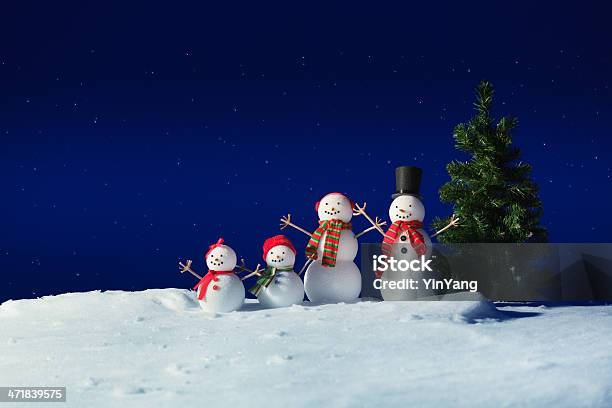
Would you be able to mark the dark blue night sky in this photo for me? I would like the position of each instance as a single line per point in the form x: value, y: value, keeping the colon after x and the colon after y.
x: 135, y: 135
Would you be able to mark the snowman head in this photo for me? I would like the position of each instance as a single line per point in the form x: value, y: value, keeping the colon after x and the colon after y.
x: 280, y: 256
x: 220, y: 257
x: 279, y: 252
x: 406, y: 208
x: 335, y: 206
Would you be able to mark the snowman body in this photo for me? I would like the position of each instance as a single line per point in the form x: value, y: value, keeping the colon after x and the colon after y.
x: 403, y: 249
x: 286, y: 287
x: 229, y: 296
x: 407, y: 208
x: 342, y: 282
x: 226, y: 293
x: 285, y: 290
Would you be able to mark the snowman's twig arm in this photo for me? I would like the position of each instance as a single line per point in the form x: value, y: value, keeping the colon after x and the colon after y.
x: 249, y: 275
x: 373, y: 227
x: 305, y: 266
x: 245, y: 269
x: 454, y: 221
x: 301, y: 229
x: 187, y: 268
x: 439, y: 232
x: 286, y: 221
x: 361, y: 210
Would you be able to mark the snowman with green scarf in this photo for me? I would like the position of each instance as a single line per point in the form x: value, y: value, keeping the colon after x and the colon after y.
x: 278, y: 285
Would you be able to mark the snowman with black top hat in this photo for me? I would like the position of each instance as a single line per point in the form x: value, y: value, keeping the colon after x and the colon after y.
x: 406, y: 238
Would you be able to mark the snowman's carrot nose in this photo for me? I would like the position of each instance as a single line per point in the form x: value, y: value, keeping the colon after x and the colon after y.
x: 333, y: 209
x: 402, y: 210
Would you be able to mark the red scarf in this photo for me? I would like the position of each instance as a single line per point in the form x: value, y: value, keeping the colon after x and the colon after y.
x: 416, y: 238
x: 330, y: 247
x: 205, y: 281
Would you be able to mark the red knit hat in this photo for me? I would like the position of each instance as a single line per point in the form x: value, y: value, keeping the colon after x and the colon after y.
x: 274, y: 241
x: 213, y: 246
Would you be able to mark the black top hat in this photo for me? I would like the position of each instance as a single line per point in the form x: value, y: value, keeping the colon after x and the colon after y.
x: 407, y: 181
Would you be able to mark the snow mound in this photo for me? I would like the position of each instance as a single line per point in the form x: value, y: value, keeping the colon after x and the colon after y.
x: 171, y: 299
x: 157, y: 348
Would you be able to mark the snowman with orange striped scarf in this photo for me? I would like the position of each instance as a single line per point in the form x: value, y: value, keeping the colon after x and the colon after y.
x: 332, y: 275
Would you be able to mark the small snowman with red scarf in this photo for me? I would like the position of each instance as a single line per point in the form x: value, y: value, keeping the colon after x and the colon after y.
x: 278, y: 285
x: 220, y: 290
x: 332, y: 275
x: 406, y: 239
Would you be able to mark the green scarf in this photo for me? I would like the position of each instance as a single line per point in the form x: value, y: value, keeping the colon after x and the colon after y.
x: 266, y: 278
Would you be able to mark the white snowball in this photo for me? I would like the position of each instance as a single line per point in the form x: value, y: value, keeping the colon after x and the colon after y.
x: 280, y: 256
x: 335, y: 206
x: 228, y: 298
x: 285, y: 290
x: 221, y: 258
x: 407, y: 294
x: 406, y: 208
x: 341, y: 283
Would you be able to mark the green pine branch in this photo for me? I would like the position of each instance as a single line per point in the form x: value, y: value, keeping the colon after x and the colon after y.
x: 492, y: 192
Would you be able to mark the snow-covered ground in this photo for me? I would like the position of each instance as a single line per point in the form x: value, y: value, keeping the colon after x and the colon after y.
x: 157, y: 348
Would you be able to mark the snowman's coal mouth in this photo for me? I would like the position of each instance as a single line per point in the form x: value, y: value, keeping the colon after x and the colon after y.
x: 404, y: 217
x: 217, y: 263
x: 331, y: 212
x: 278, y: 260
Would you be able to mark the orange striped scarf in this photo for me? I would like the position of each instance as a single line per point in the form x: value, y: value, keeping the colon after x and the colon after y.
x: 416, y: 238
x: 332, y: 239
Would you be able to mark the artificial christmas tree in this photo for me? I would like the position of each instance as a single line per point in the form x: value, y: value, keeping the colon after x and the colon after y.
x: 492, y: 193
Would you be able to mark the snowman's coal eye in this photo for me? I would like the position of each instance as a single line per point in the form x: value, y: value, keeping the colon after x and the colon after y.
x: 338, y: 203
x: 326, y: 203
x: 396, y: 206
x: 221, y: 255
x: 283, y: 252
x: 410, y: 205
